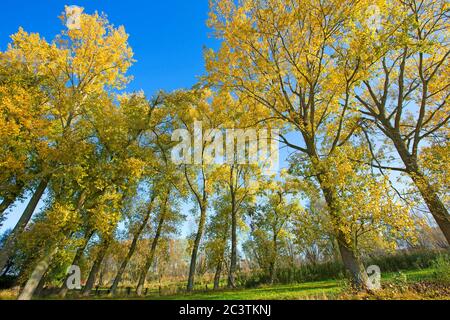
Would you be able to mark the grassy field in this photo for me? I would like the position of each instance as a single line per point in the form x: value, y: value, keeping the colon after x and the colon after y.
x: 295, y: 291
x: 329, y: 289
x: 318, y: 290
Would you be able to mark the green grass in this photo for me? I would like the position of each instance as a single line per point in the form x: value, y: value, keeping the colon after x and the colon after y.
x: 329, y: 289
x: 281, y: 292
x: 309, y: 290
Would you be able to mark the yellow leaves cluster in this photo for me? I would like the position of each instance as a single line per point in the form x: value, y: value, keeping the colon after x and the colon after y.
x: 435, y: 161
x: 367, y: 207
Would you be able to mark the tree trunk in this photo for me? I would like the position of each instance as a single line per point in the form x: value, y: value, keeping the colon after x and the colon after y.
x: 9, y: 246
x: 5, y: 204
x: 76, y: 261
x: 38, y: 272
x: 149, y: 262
x: 233, y: 262
x: 272, y: 271
x: 349, y: 258
x: 217, y: 275
x: 198, y: 238
x: 95, y: 268
x: 131, y: 250
x: 434, y: 204
x: 428, y: 193
x: 40, y: 288
x: 352, y: 264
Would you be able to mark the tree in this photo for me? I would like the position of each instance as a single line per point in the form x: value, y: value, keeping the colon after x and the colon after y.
x: 373, y: 216
x: 78, y: 66
x: 22, y: 107
x: 191, y: 108
x: 298, y: 63
x: 273, y: 217
x: 406, y: 97
x: 217, y: 236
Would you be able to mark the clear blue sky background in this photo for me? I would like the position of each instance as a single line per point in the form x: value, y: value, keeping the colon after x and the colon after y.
x: 167, y: 37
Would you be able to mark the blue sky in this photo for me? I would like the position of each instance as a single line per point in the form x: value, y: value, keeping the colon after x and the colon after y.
x: 167, y: 37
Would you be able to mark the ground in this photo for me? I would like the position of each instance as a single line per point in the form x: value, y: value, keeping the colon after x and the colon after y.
x: 417, y: 284
x: 330, y: 289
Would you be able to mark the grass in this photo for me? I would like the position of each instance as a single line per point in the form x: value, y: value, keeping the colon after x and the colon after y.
x: 317, y: 290
x: 329, y: 289
x: 279, y: 292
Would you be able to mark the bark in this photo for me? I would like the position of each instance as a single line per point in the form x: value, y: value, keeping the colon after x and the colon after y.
x: 96, y: 267
x: 217, y: 275
x: 273, y: 265
x: 349, y: 258
x: 9, y: 246
x: 151, y: 256
x: 40, y: 288
x: 352, y: 263
x: 428, y: 193
x: 434, y: 203
x: 131, y: 250
x: 43, y: 265
x: 5, y: 205
x: 76, y: 261
x: 38, y: 272
x: 198, y: 237
x: 233, y: 261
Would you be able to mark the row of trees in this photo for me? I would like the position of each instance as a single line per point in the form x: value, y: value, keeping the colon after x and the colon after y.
x: 355, y: 102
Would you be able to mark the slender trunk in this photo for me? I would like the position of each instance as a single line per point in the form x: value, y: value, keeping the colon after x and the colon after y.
x: 349, y: 258
x: 124, y: 264
x: 198, y: 238
x: 131, y: 250
x: 434, y: 204
x: 272, y: 271
x: 352, y: 263
x: 101, y: 277
x: 5, y: 205
x: 40, y: 288
x: 76, y: 261
x: 233, y: 262
x: 428, y: 193
x: 220, y: 263
x: 148, y: 264
x: 8, y: 248
x: 38, y: 272
x: 217, y: 275
x: 43, y: 265
x: 96, y: 267
x: 151, y: 256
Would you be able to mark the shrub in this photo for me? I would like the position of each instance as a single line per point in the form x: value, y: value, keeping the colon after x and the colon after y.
x: 7, y: 281
x: 400, y: 261
x: 407, y: 260
x: 441, y: 266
